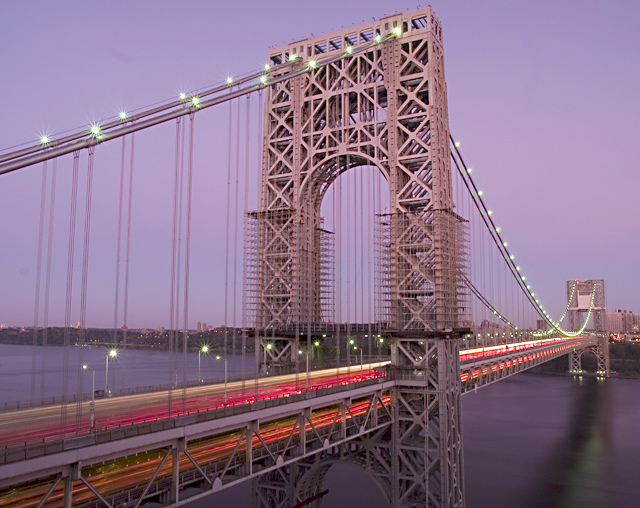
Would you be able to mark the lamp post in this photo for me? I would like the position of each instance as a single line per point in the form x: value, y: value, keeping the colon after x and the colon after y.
x: 225, y: 377
x: 111, y: 354
x: 300, y: 352
x: 204, y: 349
x: 92, y: 404
x: 264, y: 363
x: 355, y: 348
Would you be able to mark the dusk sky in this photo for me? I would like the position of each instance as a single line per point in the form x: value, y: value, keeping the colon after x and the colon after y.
x: 542, y: 95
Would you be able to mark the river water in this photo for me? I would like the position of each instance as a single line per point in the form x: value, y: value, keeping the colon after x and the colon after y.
x: 530, y: 441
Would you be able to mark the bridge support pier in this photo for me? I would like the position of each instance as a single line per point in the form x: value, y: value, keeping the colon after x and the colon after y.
x: 417, y: 460
x: 600, y: 351
x: 427, y: 431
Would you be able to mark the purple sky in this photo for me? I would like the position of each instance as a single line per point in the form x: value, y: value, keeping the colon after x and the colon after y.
x: 543, y: 96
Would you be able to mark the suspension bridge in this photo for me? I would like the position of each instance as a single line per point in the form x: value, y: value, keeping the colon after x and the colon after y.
x: 370, y: 287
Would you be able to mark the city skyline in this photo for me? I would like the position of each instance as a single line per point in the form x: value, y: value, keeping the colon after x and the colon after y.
x: 542, y: 99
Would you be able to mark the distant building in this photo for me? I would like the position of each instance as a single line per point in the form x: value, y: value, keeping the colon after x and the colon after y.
x: 541, y: 324
x: 622, y: 321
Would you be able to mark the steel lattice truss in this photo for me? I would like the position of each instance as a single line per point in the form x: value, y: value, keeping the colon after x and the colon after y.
x: 385, y: 105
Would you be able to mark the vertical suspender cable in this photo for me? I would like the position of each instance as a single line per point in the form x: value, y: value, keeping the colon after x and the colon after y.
x: 47, y: 286
x: 36, y: 311
x: 179, y: 250
x: 172, y: 298
x: 67, y: 316
x: 187, y: 259
x: 235, y: 235
x: 226, y: 250
x: 247, y: 144
x: 84, y: 284
x: 127, y: 258
x: 118, y: 245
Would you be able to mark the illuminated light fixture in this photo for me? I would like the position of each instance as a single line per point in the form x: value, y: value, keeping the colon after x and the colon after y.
x: 489, y: 212
x: 378, y: 38
x: 229, y: 80
x: 316, y: 343
x: 349, y: 50
x: 313, y: 64
x: 528, y: 286
x: 497, y: 230
x: 504, y: 244
x: 292, y: 57
x: 480, y: 193
x: 469, y: 170
x: 269, y: 346
x: 518, y: 268
x: 183, y: 96
x: 457, y: 144
x: 122, y: 115
x: 95, y: 130
x: 397, y: 31
x: 511, y: 257
x: 195, y: 101
x: 44, y: 139
x: 263, y: 79
x: 523, y: 277
x: 381, y: 341
x: 267, y: 67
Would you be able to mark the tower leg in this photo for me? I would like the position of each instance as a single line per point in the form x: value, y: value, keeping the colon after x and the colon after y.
x: 427, y: 435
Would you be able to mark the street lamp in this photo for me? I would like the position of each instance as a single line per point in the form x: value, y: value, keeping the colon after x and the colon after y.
x: 355, y: 348
x: 92, y: 405
x: 225, y: 377
x: 306, y: 353
x: 268, y: 346
x: 203, y: 350
x: 111, y: 354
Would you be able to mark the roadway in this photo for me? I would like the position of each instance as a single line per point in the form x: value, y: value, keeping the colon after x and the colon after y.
x: 33, y: 425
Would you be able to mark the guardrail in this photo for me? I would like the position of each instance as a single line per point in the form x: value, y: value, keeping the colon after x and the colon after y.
x: 18, y: 451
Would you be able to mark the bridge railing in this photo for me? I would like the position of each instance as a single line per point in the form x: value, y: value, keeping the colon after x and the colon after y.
x: 21, y: 450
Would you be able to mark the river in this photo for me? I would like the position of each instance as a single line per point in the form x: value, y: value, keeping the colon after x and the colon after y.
x: 530, y: 441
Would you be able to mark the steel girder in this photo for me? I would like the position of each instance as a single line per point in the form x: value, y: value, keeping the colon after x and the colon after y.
x: 208, y: 460
x: 416, y: 460
x: 427, y: 440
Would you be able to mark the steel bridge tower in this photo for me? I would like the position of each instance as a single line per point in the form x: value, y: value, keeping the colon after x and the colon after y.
x: 374, y: 95
x: 584, y: 297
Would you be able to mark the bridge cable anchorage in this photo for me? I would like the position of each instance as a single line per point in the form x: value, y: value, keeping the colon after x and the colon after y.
x: 117, y: 128
x: 501, y: 244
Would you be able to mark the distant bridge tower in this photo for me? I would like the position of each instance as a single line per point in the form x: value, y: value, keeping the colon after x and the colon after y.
x: 374, y: 95
x: 579, y: 297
